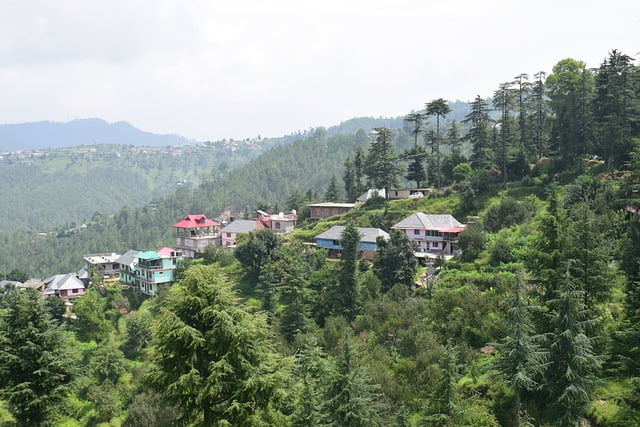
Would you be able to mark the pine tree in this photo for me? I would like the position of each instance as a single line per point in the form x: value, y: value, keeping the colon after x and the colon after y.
x: 211, y: 356
x: 381, y: 162
x: 293, y: 295
x: 570, y: 90
x: 359, y: 168
x: 546, y: 258
x: 479, y: 134
x: 395, y: 262
x: 453, y: 139
x: 538, y: 119
x: 522, y: 359
x: 332, y: 194
x: 349, y: 180
x: 312, y: 370
x: 444, y: 406
x: 35, y: 370
x: 439, y: 108
x: 573, y: 366
x: 347, y: 281
x: 616, y: 107
x: 415, y: 170
x: 588, y: 246
x: 413, y: 122
x: 351, y: 399
x: 503, y: 101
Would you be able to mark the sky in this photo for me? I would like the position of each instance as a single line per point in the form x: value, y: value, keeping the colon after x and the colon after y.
x: 210, y: 69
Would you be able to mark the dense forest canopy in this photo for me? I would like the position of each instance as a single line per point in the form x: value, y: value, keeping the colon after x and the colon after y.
x: 535, y: 323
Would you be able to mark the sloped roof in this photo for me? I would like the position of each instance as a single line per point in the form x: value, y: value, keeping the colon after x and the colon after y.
x: 61, y: 282
x: 83, y: 273
x: 128, y: 257
x: 166, y: 252
x: 32, y: 283
x: 4, y: 283
x: 369, y: 194
x: 195, y: 221
x: 366, y: 234
x: 440, y: 222
x: 240, y: 226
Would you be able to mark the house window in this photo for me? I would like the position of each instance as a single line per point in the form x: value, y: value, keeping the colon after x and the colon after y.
x: 435, y: 245
x: 416, y: 232
x: 228, y: 234
x: 277, y: 225
x: 336, y: 243
x: 74, y: 291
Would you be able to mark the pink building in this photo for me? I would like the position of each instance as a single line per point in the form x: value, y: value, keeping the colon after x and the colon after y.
x: 434, y: 234
x: 66, y: 286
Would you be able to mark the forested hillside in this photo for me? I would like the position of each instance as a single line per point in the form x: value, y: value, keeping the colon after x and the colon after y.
x: 51, y: 192
x: 534, y: 323
x: 60, y: 189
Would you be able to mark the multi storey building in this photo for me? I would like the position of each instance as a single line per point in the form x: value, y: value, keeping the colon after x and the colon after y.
x: 194, y: 233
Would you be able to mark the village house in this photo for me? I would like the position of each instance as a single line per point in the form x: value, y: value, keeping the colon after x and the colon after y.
x: 280, y: 223
x: 327, y: 209
x: 367, y: 246
x: 434, y: 234
x: 65, y: 286
x: 36, y: 284
x: 239, y: 226
x: 408, y: 193
x: 155, y: 269
x: 194, y: 233
x: 127, y: 269
x: 104, y: 265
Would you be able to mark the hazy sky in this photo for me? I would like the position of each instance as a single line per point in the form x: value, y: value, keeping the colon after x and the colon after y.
x: 217, y: 69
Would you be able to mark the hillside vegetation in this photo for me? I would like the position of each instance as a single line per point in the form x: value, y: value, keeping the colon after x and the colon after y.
x: 536, y: 323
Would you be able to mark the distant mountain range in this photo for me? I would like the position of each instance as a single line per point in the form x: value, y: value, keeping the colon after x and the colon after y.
x: 39, y: 135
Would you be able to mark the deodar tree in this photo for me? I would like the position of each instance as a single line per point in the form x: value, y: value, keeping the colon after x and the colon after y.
x: 381, y: 161
x: 211, y: 356
x: 439, y: 108
x: 35, y: 369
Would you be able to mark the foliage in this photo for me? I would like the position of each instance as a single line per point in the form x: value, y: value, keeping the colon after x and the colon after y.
x: 148, y: 409
x: 471, y: 241
x: 91, y: 323
x: 507, y: 212
x: 347, y: 282
x: 256, y: 250
x: 573, y: 370
x: 381, y: 168
x: 395, y: 262
x: 212, y: 357
x: 35, y: 369
x: 522, y: 359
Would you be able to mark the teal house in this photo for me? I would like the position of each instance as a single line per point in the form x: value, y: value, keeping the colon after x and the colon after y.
x: 155, y: 269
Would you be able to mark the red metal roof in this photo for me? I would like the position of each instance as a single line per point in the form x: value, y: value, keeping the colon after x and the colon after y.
x: 451, y: 230
x: 195, y: 221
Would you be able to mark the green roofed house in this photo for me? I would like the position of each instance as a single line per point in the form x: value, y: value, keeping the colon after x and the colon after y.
x: 155, y: 269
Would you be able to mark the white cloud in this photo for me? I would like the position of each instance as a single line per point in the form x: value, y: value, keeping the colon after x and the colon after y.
x: 213, y: 69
